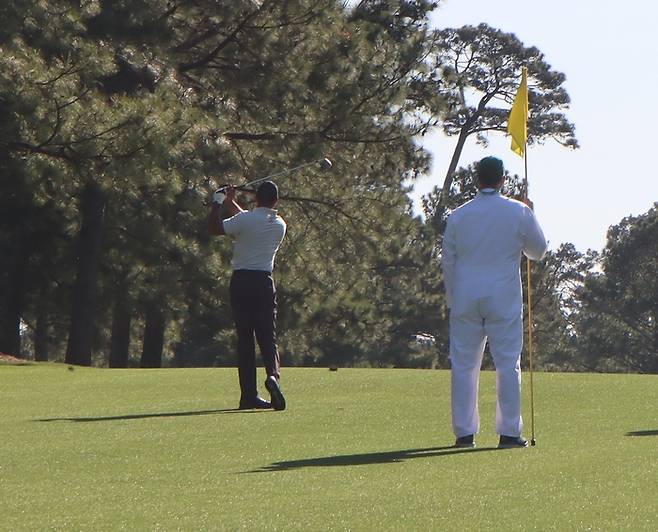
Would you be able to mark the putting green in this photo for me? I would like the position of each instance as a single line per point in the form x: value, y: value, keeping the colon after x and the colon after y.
x: 357, y: 449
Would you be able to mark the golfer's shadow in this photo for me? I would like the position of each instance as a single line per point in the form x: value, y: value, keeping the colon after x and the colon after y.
x: 154, y: 415
x: 385, y: 457
x: 643, y: 433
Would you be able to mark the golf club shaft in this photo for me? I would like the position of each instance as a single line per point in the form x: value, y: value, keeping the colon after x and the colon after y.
x: 283, y: 172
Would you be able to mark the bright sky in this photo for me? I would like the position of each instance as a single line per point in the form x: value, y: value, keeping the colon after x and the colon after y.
x: 607, y: 50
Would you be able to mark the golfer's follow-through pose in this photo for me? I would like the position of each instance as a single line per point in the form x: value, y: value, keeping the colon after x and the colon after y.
x: 258, y: 234
x: 481, y: 257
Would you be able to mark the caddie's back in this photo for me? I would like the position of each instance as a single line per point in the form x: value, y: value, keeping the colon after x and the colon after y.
x: 489, y: 235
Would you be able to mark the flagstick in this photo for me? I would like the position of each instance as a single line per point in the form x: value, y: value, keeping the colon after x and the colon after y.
x: 533, y: 442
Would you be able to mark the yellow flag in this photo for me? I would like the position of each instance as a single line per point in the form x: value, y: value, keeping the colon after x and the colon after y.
x: 517, y: 123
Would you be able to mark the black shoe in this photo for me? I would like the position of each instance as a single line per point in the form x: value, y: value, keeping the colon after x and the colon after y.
x: 278, y: 401
x: 252, y: 404
x: 512, y: 442
x: 465, y: 442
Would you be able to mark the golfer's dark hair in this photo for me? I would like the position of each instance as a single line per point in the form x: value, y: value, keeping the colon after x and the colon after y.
x: 267, y: 194
x: 489, y: 171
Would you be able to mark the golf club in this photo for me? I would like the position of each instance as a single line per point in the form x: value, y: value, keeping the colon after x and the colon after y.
x: 324, y: 164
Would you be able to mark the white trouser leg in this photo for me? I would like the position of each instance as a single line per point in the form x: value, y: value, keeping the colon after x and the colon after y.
x: 505, y: 343
x: 467, y: 341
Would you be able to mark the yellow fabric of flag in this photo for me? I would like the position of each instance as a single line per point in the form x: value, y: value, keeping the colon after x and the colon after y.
x: 517, y: 123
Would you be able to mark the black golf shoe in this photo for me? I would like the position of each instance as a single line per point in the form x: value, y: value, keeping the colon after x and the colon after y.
x: 253, y: 404
x: 278, y: 401
x: 512, y: 442
x: 465, y: 442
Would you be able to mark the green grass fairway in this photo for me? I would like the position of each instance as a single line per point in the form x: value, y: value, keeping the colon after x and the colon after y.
x: 357, y: 449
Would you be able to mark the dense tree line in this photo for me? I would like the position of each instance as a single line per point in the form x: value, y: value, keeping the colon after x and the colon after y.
x: 617, y: 318
x: 115, y: 114
x: 118, y: 118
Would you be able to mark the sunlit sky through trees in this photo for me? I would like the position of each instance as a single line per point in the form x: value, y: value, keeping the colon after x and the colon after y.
x: 607, y: 52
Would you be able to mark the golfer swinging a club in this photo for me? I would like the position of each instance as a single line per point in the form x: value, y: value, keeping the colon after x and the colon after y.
x: 258, y: 234
x: 482, y: 247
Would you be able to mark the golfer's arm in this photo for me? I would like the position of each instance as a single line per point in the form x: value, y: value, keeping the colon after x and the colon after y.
x: 215, y: 225
x: 233, y: 207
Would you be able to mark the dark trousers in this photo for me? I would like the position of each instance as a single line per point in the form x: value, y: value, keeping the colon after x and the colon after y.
x: 253, y: 299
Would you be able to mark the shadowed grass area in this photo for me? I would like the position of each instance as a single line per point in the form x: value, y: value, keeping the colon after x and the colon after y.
x: 357, y: 449
x: 371, y: 458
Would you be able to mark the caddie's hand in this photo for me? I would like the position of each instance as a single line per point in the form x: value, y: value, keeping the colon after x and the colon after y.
x: 529, y: 203
x: 219, y: 196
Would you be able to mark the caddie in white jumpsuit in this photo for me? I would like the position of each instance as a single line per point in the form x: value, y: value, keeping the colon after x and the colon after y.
x: 482, y: 247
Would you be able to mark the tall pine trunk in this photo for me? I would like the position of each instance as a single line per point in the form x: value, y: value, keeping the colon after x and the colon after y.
x: 121, y: 318
x: 83, y: 311
x: 41, y: 337
x: 10, y: 322
x: 11, y: 305
x: 153, y: 337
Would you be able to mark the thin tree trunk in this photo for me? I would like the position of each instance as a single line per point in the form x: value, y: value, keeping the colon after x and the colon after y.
x: 465, y: 131
x: 153, y: 338
x: 83, y: 312
x: 439, y: 213
x: 121, y: 318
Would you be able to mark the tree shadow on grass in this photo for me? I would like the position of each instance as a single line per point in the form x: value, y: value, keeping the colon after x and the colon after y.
x: 155, y: 414
x: 643, y: 433
x: 385, y: 457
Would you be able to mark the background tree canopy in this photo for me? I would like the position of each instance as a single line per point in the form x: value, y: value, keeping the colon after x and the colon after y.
x: 118, y: 114
x: 118, y: 118
x: 617, y: 322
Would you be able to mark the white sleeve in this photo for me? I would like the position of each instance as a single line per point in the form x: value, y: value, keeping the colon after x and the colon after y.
x: 534, y: 242
x: 448, y: 259
x: 233, y: 225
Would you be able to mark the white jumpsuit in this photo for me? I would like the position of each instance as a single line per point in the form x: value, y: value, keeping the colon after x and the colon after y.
x: 481, y: 257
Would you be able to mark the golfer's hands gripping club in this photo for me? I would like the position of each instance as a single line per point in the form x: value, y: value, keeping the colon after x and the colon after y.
x: 219, y: 196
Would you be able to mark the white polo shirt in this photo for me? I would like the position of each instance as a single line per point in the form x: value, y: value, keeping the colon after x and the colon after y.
x: 258, y: 234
